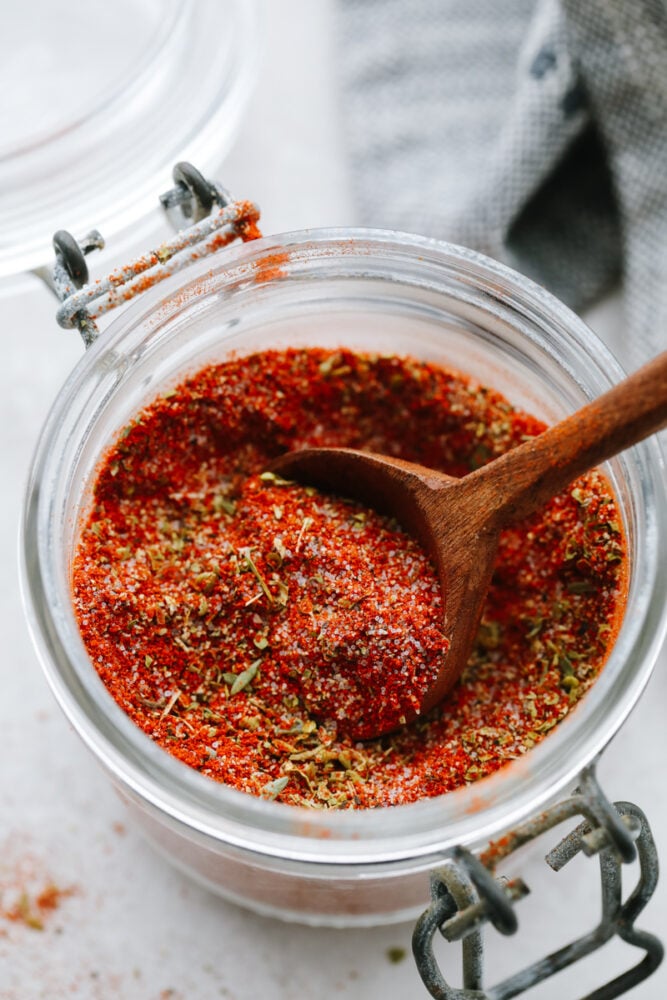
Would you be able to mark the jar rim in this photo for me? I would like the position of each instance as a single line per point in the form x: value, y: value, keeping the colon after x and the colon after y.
x: 468, y: 815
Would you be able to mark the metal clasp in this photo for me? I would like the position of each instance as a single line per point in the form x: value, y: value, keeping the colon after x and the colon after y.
x: 212, y: 219
x: 466, y: 894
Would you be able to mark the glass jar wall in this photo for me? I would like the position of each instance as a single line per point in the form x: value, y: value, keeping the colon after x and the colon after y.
x: 376, y: 291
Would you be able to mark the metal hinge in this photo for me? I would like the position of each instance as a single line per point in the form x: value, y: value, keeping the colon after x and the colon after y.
x: 211, y: 220
x: 466, y: 894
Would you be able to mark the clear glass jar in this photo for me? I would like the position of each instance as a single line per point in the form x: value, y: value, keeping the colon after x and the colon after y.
x: 364, y: 289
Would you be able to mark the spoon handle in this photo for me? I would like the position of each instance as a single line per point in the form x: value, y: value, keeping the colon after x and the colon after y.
x: 522, y: 480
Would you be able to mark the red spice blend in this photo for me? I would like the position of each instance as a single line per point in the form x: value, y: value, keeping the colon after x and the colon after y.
x: 239, y: 619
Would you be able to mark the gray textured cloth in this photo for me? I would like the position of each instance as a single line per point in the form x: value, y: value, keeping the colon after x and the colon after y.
x: 532, y: 130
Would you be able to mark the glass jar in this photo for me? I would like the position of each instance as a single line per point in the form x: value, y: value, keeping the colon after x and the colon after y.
x: 380, y: 291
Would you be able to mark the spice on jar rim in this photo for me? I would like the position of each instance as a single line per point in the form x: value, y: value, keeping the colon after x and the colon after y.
x: 238, y: 619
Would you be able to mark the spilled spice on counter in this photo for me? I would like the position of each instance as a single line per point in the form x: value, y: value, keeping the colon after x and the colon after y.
x: 28, y: 894
x: 396, y: 955
x: 238, y: 618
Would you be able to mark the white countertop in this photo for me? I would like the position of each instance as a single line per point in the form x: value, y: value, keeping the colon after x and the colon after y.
x: 134, y: 927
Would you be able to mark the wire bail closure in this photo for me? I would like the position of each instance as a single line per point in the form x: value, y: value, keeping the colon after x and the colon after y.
x: 466, y: 894
x: 206, y: 218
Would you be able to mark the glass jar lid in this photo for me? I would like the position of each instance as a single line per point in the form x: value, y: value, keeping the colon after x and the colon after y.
x: 100, y: 100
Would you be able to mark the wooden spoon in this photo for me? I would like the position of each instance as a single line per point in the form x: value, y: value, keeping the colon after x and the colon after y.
x: 458, y: 521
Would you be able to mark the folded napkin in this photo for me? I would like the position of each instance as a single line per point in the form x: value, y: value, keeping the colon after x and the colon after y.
x: 532, y: 130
